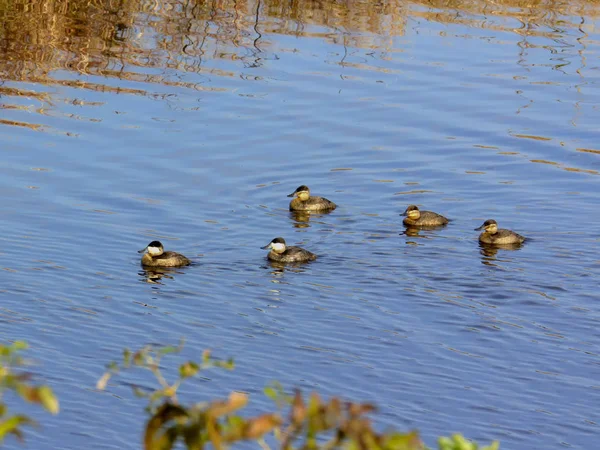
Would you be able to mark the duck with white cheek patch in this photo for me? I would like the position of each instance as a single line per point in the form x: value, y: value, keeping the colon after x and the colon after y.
x: 282, y: 253
x: 155, y: 256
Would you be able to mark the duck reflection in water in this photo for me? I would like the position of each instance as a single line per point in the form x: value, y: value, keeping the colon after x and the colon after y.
x: 156, y: 274
x: 489, y: 252
x: 302, y: 218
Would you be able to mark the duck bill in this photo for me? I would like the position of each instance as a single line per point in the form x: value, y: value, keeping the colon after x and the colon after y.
x: 143, y: 250
x: 404, y: 214
x: 479, y: 228
x: 266, y: 247
x: 292, y: 194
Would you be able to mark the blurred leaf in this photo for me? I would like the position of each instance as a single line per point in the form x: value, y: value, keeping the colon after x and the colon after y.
x: 261, y: 425
x: 161, y: 393
x: 139, y: 357
x: 358, y: 409
x: 271, y: 393
x: 103, y: 381
x: 19, y: 345
x: 298, y: 412
x: 139, y: 392
x: 48, y: 399
x: 12, y: 424
x: 235, y: 401
x: 188, y: 369
x: 170, y: 349
x: 404, y: 441
x: 445, y: 443
x: 126, y: 357
x: 153, y: 438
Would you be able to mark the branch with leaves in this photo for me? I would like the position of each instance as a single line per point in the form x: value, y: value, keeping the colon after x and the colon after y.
x: 14, y: 378
x: 296, y: 424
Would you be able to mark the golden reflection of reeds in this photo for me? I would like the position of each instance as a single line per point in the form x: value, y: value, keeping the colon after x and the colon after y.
x: 108, y: 38
x: 15, y: 123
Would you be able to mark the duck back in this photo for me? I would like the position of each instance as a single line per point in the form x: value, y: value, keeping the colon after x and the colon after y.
x: 292, y: 254
x: 502, y: 237
x: 312, y: 204
x: 427, y: 219
x: 167, y: 259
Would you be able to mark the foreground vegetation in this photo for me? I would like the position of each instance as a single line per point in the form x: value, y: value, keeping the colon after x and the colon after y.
x: 296, y: 421
x: 14, y: 378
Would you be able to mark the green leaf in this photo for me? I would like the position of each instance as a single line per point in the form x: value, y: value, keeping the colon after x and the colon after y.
x: 493, y: 446
x: 12, y: 425
x: 445, y: 443
x: 139, y: 356
x: 271, y: 393
x: 139, y: 392
x: 170, y: 349
x: 19, y: 345
x: 126, y: 357
x: 188, y: 369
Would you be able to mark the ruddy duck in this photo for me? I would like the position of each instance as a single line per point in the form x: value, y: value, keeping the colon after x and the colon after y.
x: 416, y: 218
x: 280, y: 253
x: 304, y: 202
x: 157, y: 257
x: 497, y: 236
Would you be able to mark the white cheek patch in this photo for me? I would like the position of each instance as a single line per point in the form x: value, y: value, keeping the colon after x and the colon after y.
x: 154, y: 251
x: 278, y: 248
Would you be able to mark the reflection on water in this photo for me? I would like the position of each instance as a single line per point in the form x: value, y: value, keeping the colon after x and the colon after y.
x: 489, y: 253
x: 302, y: 219
x: 189, y: 120
x: 156, y: 274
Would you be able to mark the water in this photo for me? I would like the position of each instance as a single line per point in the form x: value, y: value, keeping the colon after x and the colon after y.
x: 190, y: 124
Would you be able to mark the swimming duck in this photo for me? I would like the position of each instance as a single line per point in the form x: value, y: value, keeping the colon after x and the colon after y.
x: 416, y: 218
x: 304, y: 202
x: 155, y: 256
x: 281, y: 253
x: 497, y: 236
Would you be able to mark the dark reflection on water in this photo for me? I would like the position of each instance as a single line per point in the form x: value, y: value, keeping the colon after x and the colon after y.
x: 189, y: 122
x: 156, y: 274
x: 303, y: 219
x: 489, y: 253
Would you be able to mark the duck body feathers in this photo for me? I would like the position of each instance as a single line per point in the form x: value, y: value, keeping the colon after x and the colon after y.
x: 312, y: 204
x: 501, y: 237
x: 292, y: 254
x: 167, y: 259
x: 427, y: 219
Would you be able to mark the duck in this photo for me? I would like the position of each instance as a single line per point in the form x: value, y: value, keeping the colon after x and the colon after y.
x: 155, y: 256
x: 417, y: 218
x: 282, y: 253
x: 304, y: 201
x: 498, y: 236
